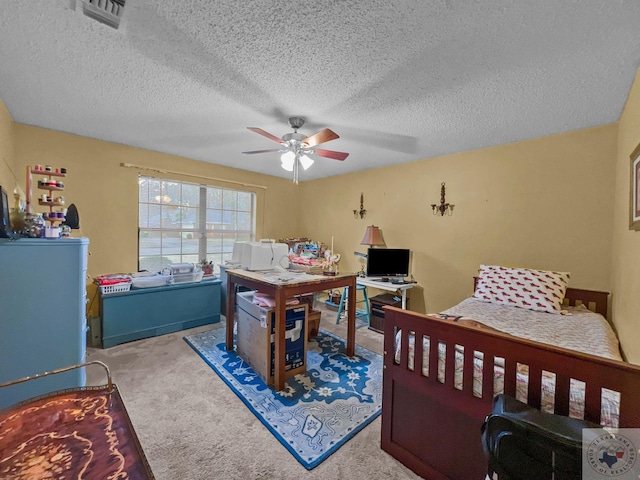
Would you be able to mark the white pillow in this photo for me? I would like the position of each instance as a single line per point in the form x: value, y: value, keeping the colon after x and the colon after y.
x: 538, y: 290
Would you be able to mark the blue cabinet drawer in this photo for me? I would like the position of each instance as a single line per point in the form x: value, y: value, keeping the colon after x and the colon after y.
x: 42, y: 321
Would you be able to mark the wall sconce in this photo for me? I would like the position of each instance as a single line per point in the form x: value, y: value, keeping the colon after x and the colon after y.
x: 444, y: 208
x: 362, y: 212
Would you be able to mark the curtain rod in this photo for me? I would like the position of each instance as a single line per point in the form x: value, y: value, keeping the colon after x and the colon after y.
x: 158, y: 170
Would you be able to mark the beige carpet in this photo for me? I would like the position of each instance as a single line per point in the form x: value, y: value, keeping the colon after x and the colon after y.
x: 192, y: 426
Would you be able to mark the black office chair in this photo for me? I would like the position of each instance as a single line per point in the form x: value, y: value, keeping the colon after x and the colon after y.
x: 522, y: 443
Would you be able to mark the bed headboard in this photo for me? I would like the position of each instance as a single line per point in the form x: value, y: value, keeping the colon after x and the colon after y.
x: 594, y: 300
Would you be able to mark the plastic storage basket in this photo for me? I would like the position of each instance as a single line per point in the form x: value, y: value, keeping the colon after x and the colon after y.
x: 115, y: 288
x: 149, y: 281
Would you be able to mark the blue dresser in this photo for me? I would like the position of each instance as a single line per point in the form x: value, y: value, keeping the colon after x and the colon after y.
x: 42, y: 314
x: 147, y: 312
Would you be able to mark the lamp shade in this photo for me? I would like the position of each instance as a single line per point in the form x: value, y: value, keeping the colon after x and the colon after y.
x: 287, y: 161
x: 372, y: 237
x: 306, y: 161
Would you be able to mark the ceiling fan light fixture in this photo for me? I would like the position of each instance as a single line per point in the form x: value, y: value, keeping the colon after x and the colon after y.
x: 295, y: 147
x: 306, y: 161
x: 288, y: 159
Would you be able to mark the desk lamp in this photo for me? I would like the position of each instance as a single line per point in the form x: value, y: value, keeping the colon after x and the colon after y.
x: 372, y: 238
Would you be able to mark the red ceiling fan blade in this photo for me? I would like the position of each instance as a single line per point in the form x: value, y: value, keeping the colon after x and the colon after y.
x: 259, y: 131
x: 265, y: 151
x: 331, y: 154
x: 321, y: 137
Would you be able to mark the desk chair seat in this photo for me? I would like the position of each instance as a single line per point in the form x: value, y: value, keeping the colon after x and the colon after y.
x: 359, y: 312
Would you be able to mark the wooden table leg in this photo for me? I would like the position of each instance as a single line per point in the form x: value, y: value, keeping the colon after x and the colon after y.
x: 231, y: 309
x: 280, y: 342
x: 351, y: 319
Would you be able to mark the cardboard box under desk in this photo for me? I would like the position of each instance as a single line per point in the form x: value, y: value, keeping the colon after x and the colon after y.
x: 255, y: 340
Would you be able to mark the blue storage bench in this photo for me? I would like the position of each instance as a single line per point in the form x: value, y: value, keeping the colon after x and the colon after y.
x: 147, y: 312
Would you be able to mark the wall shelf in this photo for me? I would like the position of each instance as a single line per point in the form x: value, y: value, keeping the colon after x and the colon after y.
x: 52, y: 204
x: 48, y: 174
x: 51, y: 188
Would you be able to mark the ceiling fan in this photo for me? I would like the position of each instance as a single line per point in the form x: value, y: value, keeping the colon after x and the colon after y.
x: 296, y: 147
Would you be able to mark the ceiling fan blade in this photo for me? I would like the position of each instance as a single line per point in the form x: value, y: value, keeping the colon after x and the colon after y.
x: 259, y: 131
x: 321, y: 137
x: 265, y: 151
x: 331, y: 154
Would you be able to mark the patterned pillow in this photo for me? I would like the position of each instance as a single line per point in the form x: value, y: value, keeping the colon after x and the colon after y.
x: 538, y: 290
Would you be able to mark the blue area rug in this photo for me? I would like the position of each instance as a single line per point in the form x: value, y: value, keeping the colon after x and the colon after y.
x: 319, y: 410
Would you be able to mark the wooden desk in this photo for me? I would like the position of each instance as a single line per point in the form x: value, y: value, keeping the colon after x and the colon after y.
x: 282, y: 286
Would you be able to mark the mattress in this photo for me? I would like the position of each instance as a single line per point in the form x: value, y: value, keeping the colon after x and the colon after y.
x: 578, y: 328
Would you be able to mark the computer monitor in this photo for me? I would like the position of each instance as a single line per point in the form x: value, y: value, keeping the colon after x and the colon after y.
x: 388, y: 262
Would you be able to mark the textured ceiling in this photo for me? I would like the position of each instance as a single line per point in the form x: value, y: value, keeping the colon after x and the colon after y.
x: 397, y: 80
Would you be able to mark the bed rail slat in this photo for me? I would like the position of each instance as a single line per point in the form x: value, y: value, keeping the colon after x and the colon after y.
x: 467, y: 371
x: 404, y: 352
x: 561, y: 400
x: 535, y: 386
x: 433, y: 359
x: 449, y: 366
x: 592, y: 403
x: 509, y: 376
x: 418, y: 353
x: 487, y: 376
x: 629, y: 401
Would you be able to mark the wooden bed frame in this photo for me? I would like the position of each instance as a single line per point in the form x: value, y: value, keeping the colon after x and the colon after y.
x: 434, y: 428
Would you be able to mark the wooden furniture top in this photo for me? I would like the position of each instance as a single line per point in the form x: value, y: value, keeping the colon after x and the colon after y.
x: 288, y: 279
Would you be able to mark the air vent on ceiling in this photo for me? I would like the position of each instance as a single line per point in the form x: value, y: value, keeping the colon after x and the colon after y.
x: 104, y: 11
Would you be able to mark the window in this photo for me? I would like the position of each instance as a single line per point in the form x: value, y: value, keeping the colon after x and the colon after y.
x: 182, y: 222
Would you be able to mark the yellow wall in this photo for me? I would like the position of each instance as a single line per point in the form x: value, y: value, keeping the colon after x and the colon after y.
x: 625, y: 263
x: 544, y: 203
x: 8, y: 179
x: 106, y: 194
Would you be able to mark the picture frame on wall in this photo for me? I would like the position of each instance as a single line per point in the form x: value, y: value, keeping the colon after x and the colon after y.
x: 634, y: 192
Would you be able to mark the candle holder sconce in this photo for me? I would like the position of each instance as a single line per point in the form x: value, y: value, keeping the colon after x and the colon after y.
x: 444, y: 208
x: 362, y: 212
